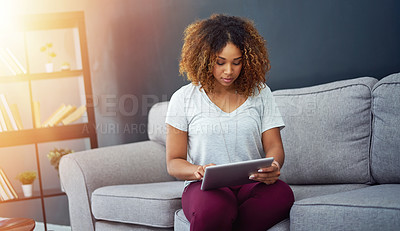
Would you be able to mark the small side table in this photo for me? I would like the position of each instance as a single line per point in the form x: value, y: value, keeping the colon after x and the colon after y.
x: 17, y: 224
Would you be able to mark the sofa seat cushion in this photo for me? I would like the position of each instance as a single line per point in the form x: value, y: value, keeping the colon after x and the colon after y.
x: 305, y: 191
x: 151, y: 204
x: 118, y: 226
x: 371, y: 208
x: 182, y: 224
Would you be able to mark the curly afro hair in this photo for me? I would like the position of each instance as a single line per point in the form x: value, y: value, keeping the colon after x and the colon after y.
x: 205, y: 39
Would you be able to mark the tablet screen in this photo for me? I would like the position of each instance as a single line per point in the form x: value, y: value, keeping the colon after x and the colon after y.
x: 232, y: 174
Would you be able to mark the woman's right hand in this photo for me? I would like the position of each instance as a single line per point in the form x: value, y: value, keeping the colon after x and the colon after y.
x: 199, y: 173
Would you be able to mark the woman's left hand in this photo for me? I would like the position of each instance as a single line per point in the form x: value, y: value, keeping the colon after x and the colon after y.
x: 267, y: 175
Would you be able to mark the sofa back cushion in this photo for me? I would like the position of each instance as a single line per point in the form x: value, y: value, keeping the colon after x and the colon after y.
x: 156, y: 128
x: 385, y: 145
x: 327, y: 133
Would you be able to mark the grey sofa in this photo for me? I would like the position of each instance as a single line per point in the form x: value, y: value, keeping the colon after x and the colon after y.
x: 342, y: 144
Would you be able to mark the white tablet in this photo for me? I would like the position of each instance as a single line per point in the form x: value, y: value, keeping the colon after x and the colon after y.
x: 232, y: 174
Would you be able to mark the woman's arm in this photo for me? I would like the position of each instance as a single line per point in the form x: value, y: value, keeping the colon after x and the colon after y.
x: 273, y: 147
x: 177, y: 164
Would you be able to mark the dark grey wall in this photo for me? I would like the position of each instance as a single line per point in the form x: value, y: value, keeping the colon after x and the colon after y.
x: 314, y: 42
x: 134, y: 49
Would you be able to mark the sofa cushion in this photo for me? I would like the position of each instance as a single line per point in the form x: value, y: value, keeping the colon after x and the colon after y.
x: 371, y: 208
x: 182, y: 224
x: 281, y: 226
x: 306, y: 191
x: 327, y: 133
x: 156, y: 128
x: 385, y: 147
x: 180, y: 221
x: 118, y: 226
x: 150, y: 204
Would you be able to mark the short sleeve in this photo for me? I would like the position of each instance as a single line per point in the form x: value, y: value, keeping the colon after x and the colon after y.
x: 176, y: 114
x: 271, y: 117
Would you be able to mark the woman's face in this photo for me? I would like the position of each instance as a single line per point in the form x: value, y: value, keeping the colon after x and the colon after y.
x: 228, y: 66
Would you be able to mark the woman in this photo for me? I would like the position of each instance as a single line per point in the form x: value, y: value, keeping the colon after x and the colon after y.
x: 226, y: 114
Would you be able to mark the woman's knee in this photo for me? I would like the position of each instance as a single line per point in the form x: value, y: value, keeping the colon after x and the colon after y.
x: 278, y: 194
x: 209, y: 209
x: 217, y: 203
x: 286, y: 192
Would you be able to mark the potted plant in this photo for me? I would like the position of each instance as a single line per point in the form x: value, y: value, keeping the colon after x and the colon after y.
x: 55, y: 156
x: 47, y: 49
x: 65, y: 66
x: 27, y: 178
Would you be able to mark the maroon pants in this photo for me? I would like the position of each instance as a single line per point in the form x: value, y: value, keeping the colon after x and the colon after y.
x: 254, y: 206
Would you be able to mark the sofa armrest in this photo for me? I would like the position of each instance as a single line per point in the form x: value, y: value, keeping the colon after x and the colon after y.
x: 83, y: 172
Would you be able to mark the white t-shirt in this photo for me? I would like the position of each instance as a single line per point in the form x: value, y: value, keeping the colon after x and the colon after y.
x: 215, y: 136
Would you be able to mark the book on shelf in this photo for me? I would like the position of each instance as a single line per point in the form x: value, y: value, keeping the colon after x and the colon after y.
x: 53, y: 116
x: 3, y: 126
x: 36, y: 114
x: 3, y: 194
x: 7, y: 191
x: 17, y: 116
x: 7, y: 123
x: 74, y: 115
x: 65, y: 114
x: 61, y: 115
x: 12, y: 63
x: 7, y: 114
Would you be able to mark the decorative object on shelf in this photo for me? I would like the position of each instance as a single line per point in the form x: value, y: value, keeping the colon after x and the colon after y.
x: 27, y: 178
x: 50, y: 55
x: 65, y: 66
x: 55, y: 156
x: 49, y: 67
